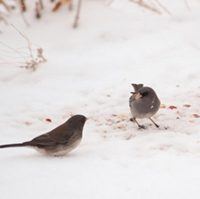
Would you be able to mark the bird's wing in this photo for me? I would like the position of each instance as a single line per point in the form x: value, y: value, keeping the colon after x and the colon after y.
x: 47, y: 140
x: 43, y: 140
x: 59, y: 135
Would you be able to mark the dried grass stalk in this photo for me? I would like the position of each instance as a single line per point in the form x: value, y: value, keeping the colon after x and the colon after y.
x: 5, y: 5
x: 22, y: 4
x: 77, y: 17
x: 146, y: 6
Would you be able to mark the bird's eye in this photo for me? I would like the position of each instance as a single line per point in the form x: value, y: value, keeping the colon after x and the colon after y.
x: 145, y: 94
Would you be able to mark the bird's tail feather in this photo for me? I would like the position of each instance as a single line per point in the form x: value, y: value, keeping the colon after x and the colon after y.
x: 15, y: 145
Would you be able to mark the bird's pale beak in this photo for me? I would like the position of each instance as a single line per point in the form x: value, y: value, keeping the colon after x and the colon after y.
x: 137, y: 96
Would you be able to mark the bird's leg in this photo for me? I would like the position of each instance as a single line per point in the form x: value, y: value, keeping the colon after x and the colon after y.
x: 139, y: 126
x: 70, y: 6
x: 154, y: 123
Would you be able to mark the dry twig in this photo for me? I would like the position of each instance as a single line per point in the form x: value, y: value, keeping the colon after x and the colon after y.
x: 33, y: 64
x: 70, y: 5
x: 187, y: 5
x: 41, y: 4
x: 76, y: 20
x: 26, y: 38
x: 145, y: 5
x: 22, y: 5
x: 109, y: 2
x: 23, y: 9
x: 24, y: 19
x: 163, y: 7
x: 58, y: 5
x: 2, y: 18
x: 38, y: 10
x: 5, y: 5
x: 33, y: 59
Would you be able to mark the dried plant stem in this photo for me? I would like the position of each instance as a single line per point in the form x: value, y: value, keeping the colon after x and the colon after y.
x: 41, y: 4
x: 27, y: 39
x: 31, y: 60
x: 24, y: 19
x: 70, y: 7
x: 109, y: 2
x: 57, y: 6
x: 12, y: 49
x: 76, y: 20
x: 2, y: 18
x: 163, y: 7
x: 34, y: 63
x: 23, y: 9
x: 145, y: 5
x: 22, y: 5
x: 40, y: 55
x: 37, y: 10
x: 187, y: 5
x: 5, y: 5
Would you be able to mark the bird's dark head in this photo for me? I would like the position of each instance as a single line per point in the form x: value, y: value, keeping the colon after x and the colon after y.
x: 77, y: 121
x: 144, y: 92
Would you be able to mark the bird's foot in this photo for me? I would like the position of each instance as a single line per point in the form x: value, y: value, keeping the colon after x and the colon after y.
x: 141, y: 127
x: 154, y: 123
x: 166, y: 127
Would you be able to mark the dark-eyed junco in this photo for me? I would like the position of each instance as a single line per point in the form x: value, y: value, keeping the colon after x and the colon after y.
x: 143, y: 103
x: 60, y: 140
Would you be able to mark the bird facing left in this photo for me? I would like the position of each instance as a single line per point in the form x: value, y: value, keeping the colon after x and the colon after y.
x: 59, y: 141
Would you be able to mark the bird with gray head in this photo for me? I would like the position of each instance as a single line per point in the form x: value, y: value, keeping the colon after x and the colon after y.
x: 60, y: 140
x: 143, y: 103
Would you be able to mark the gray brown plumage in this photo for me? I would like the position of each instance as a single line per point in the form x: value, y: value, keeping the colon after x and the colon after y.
x: 143, y: 103
x: 60, y: 140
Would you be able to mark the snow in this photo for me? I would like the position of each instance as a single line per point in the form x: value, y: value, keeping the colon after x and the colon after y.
x: 89, y: 71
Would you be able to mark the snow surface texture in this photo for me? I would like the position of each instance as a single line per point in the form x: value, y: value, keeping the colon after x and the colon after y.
x: 89, y: 71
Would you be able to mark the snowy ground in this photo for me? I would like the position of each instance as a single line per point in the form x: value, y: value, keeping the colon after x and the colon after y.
x: 90, y: 71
